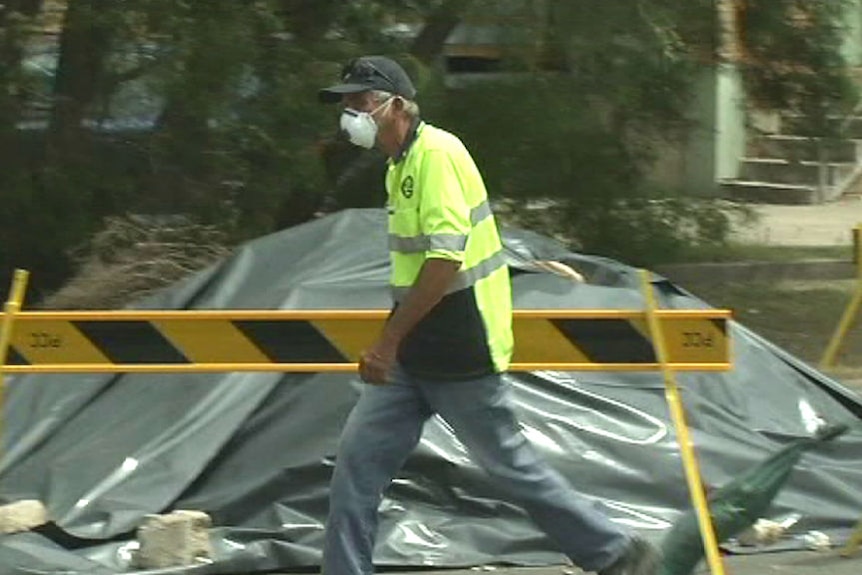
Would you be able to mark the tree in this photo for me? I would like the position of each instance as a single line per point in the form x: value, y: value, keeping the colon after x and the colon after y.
x: 594, y: 87
x: 792, y: 61
x: 207, y: 109
x: 15, y: 17
x: 85, y: 42
x: 598, y: 86
x: 237, y: 138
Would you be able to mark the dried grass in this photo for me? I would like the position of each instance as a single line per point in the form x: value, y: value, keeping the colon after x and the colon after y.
x: 134, y: 256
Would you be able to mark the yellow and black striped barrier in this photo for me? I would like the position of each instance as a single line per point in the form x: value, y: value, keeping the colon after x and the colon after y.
x: 331, y: 340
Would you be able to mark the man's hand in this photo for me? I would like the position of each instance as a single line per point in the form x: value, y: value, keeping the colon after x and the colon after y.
x: 375, y: 364
x: 436, y: 275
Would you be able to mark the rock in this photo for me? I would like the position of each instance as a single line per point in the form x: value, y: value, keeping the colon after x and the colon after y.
x: 22, y: 516
x: 180, y: 538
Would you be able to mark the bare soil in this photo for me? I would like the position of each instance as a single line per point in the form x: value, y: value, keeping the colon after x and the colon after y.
x: 800, y: 316
x: 816, y: 225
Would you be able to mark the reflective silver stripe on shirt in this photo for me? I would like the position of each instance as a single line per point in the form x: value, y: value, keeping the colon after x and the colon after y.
x: 451, y: 242
x: 463, y: 279
x: 404, y: 245
x: 480, y: 212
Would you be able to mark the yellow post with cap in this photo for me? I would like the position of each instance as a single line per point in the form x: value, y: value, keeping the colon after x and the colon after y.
x: 829, y: 356
x: 852, y: 546
x: 852, y: 310
x: 13, y: 304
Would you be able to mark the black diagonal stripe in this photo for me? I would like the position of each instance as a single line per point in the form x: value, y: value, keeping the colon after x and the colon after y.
x: 133, y: 342
x: 15, y: 358
x: 290, y: 341
x: 721, y: 325
x: 607, y: 340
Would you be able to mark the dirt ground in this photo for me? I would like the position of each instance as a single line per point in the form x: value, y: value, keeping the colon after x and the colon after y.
x: 817, y: 225
x: 798, y: 315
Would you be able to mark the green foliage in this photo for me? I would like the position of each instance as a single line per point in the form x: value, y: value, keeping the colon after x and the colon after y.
x: 236, y: 137
x: 581, y: 142
x: 792, y: 59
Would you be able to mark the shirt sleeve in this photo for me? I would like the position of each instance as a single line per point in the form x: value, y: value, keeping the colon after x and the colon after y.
x: 443, y: 211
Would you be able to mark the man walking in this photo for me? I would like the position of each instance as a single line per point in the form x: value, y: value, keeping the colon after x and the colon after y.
x: 446, y: 343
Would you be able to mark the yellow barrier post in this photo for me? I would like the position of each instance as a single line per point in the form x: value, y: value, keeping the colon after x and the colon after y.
x: 689, y: 460
x: 13, y: 304
x: 852, y: 308
x: 831, y: 353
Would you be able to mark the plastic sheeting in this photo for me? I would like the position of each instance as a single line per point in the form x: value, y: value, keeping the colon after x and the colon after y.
x: 256, y: 450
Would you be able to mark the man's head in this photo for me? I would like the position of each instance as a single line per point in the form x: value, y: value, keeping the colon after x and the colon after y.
x: 377, y: 96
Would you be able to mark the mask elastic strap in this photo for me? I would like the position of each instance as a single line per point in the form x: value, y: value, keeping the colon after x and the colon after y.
x: 381, y: 106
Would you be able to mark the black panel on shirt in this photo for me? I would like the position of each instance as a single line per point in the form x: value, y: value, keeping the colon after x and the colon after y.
x: 450, y: 342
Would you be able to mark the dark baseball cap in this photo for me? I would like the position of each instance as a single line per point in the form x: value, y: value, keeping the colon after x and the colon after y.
x: 370, y: 73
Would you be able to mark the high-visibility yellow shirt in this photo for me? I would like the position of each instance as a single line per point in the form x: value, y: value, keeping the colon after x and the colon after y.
x: 438, y: 208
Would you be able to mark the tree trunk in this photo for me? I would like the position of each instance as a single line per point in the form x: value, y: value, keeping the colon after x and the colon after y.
x: 428, y: 45
x: 84, y: 45
x: 309, y: 20
x: 12, y: 40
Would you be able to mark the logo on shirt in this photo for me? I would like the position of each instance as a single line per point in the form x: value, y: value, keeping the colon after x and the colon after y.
x: 407, y: 187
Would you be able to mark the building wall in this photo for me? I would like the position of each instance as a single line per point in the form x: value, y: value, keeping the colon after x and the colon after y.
x: 717, y: 141
x: 711, y: 149
x: 853, y: 31
x: 730, y: 122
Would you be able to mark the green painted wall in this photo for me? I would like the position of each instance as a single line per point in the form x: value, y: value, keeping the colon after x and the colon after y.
x: 700, y: 157
x: 712, y: 148
x: 853, y: 30
x: 729, y: 122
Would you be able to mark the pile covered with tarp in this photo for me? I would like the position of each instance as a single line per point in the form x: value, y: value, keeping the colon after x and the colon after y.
x: 256, y: 451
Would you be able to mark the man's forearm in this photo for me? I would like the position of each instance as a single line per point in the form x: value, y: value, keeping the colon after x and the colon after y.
x: 434, y: 280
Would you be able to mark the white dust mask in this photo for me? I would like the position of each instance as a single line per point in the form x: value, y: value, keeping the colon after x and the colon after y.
x: 360, y: 126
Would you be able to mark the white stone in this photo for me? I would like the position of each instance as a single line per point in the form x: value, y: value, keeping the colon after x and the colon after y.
x: 763, y: 532
x: 179, y: 538
x: 22, y: 516
x: 817, y: 541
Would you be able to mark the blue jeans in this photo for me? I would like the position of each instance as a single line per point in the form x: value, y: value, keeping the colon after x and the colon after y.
x: 385, y: 426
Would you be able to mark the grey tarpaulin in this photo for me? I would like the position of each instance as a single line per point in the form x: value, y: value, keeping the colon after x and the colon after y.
x: 256, y: 450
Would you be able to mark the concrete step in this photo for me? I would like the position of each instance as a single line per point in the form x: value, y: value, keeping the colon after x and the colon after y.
x: 800, y: 148
x: 782, y: 171
x: 769, y: 193
x: 845, y: 126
